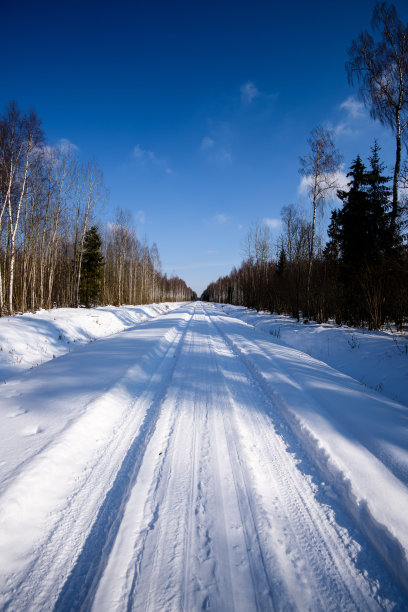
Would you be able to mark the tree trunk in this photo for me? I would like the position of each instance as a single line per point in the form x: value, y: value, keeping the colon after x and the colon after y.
x: 397, y: 167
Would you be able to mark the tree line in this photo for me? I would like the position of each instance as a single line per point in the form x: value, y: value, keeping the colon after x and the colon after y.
x: 359, y: 275
x: 48, y: 230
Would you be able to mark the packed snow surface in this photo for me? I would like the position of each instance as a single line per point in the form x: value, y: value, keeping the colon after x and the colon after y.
x: 198, y: 461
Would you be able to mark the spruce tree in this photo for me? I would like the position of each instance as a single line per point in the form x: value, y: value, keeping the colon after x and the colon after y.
x: 282, y: 262
x: 381, y: 232
x: 361, y: 236
x: 91, y: 269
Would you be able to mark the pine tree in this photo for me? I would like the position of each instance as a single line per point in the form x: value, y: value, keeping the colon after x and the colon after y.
x: 91, y: 269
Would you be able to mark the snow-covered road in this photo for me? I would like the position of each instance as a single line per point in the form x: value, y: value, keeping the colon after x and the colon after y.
x: 191, y: 463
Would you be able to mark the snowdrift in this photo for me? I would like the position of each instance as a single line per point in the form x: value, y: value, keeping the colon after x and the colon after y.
x: 33, y: 338
x: 379, y: 360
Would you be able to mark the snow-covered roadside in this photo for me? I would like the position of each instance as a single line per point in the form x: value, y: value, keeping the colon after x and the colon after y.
x: 31, y: 339
x: 379, y: 360
x: 356, y: 438
x: 192, y: 462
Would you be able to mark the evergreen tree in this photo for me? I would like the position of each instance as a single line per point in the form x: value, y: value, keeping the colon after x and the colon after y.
x: 352, y: 219
x: 91, y: 269
x: 282, y: 262
x: 361, y: 235
x: 383, y: 235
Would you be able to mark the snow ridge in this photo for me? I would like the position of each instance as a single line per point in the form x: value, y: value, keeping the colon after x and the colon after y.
x: 378, y: 523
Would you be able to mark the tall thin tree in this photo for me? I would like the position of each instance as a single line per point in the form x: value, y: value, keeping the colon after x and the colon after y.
x: 380, y: 67
x: 320, y: 168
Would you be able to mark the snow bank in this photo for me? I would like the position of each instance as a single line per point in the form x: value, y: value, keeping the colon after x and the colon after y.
x: 379, y: 360
x: 31, y: 339
x: 355, y: 436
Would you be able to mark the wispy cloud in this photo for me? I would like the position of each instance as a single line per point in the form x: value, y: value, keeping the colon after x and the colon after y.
x: 272, y: 223
x: 207, y: 143
x: 217, y: 220
x: 355, y: 112
x: 140, y: 217
x: 67, y: 145
x: 248, y: 92
x: 214, y: 152
x: 353, y: 107
x: 220, y: 219
x: 144, y: 155
x: 63, y: 146
x: 223, y: 156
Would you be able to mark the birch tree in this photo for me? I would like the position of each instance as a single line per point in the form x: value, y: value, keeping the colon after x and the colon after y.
x: 381, y: 70
x: 21, y: 141
x: 319, y: 167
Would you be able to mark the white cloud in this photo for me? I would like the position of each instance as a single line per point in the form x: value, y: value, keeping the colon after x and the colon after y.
x: 215, y: 154
x: 272, y: 223
x: 140, y: 217
x: 304, y: 185
x: 67, y: 145
x: 138, y: 152
x: 220, y: 218
x: 351, y: 125
x: 223, y: 156
x: 248, y: 92
x: 353, y: 107
x: 207, y: 143
x: 145, y: 154
x: 339, y: 180
x: 63, y: 146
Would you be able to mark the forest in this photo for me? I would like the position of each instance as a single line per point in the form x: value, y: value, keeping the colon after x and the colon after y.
x: 53, y: 252
x: 358, y: 274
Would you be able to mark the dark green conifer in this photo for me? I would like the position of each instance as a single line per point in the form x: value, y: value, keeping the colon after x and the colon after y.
x: 91, y: 269
x: 361, y: 237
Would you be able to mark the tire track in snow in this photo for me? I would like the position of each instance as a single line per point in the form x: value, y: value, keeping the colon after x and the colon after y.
x: 171, y: 563
x: 375, y: 536
x: 227, y: 521
x: 315, y: 548
x: 189, y: 550
x: 155, y: 560
x: 79, y: 589
x: 78, y: 481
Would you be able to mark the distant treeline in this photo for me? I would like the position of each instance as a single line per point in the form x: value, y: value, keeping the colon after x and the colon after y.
x: 360, y: 276
x: 48, y: 206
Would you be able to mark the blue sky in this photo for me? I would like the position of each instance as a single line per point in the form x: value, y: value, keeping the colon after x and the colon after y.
x: 197, y: 111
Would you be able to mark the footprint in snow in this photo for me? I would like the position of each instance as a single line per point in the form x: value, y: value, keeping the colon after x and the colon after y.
x: 16, y: 413
x: 32, y: 431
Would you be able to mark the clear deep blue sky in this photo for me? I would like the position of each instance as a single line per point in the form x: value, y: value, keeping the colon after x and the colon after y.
x: 197, y: 111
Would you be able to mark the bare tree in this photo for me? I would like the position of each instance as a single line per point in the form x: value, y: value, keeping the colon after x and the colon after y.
x: 381, y: 69
x: 48, y: 200
x: 21, y: 139
x: 156, y: 263
x: 62, y: 167
x: 319, y: 167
